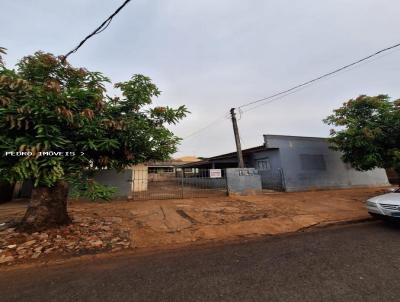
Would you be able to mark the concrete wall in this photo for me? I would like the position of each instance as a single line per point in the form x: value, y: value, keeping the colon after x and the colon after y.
x: 245, y: 181
x: 204, y: 183
x: 140, y: 178
x: 120, y: 180
x: 309, y: 163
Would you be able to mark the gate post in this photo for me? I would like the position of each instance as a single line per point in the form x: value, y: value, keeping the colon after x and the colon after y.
x: 183, y: 173
x: 283, y: 181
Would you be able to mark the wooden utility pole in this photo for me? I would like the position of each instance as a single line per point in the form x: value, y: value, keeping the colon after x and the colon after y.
x: 237, y: 139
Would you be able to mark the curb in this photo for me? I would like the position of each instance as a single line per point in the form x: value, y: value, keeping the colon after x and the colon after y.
x: 323, y: 225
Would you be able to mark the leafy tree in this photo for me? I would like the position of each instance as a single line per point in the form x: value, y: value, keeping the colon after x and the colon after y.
x: 368, y: 132
x: 48, y: 105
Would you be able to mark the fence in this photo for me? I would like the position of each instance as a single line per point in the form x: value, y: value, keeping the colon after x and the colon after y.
x: 183, y: 183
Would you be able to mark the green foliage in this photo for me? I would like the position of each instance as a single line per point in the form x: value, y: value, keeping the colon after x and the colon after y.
x: 89, y: 189
x: 2, y: 51
x: 368, y: 132
x: 48, y: 105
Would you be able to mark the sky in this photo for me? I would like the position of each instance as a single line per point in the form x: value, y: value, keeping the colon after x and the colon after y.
x: 212, y: 55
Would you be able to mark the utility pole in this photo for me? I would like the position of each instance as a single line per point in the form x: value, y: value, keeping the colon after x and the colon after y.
x: 237, y: 139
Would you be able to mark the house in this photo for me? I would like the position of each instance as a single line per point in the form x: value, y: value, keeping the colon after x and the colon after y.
x: 161, y: 170
x: 143, y: 177
x: 295, y: 163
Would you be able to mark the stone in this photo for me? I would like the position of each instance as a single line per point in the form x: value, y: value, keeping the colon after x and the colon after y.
x: 96, y: 243
x: 21, y: 247
x: 36, y: 255
x: 47, y: 251
x: 29, y: 243
x: 11, y: 246
x: 21, y: 251
x: 38, y: 249
x: 43, y: 236
x: 70, y: 246
x: 126, y: 244
x: 5, y: 259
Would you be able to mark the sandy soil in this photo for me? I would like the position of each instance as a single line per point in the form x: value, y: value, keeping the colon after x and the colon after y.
x: 160, y: 223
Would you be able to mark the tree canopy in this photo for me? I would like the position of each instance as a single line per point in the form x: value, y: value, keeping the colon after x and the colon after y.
x: 47, y: 105
x: 368, y: 132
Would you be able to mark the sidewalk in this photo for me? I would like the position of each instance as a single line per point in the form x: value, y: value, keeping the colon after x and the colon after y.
x: 165, y: 223
x: 108, y: 227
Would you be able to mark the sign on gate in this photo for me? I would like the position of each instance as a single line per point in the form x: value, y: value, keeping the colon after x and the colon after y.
x: 215, y: 173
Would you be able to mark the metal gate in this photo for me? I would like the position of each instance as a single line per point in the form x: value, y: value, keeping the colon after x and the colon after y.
x: 178, y: 183
x: 272, y: 180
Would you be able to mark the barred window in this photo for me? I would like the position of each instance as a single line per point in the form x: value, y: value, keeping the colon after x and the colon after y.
x: 263, y: 164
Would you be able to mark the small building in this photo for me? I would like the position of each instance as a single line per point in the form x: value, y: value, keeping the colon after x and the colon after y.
x: 295, y: 163
x: 162, y: 170
x: 149, y: 176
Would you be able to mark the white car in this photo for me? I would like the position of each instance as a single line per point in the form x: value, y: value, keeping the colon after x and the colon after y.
x: 386, y: 205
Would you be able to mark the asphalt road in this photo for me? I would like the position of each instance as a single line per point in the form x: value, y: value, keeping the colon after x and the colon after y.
x: 349, y: 263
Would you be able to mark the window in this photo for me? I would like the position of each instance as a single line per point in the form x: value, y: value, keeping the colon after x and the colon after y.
x: 168, y: 170
x: 161, y: 170
x: 153, y: 170
x: 311, y: 162
x: 263, y: 164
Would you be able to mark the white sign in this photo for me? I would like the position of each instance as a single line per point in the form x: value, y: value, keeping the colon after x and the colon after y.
x: 215, y: 173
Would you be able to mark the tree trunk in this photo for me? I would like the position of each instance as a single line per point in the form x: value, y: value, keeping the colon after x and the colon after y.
x: 47, y: 208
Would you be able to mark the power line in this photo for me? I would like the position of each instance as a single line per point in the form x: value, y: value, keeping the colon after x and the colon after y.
x: 214, y: 122
x: 320, y: 77
x: 303, y: 87
x: 295, y: 89
x: 103, y: 26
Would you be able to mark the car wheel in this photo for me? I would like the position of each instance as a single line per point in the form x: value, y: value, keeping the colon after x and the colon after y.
x: 377, y: 216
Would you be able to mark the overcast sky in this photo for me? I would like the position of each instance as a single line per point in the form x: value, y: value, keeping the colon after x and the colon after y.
x: 216, y: 54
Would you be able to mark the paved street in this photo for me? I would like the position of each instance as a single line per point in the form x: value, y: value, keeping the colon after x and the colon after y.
x: 348, y: 263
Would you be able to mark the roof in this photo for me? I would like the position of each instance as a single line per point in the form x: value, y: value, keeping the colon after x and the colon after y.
x: 187, y: 159
x: 295, y: 137
x: 250, y: 150
x: 173, y: 162
x: 227, y: 156
x: 245, y: 152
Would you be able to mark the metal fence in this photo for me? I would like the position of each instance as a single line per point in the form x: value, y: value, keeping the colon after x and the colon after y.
x: 272, y: 180
x: 182, y: 183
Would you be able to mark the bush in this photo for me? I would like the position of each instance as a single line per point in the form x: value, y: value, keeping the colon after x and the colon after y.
x: 90, y: 189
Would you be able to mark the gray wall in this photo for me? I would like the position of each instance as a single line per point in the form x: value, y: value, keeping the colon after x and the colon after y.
x: 308, y: 163
x: 203, y: 182
x: 270, y: 179
x: 120, y: 180
x: 243, y: 181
